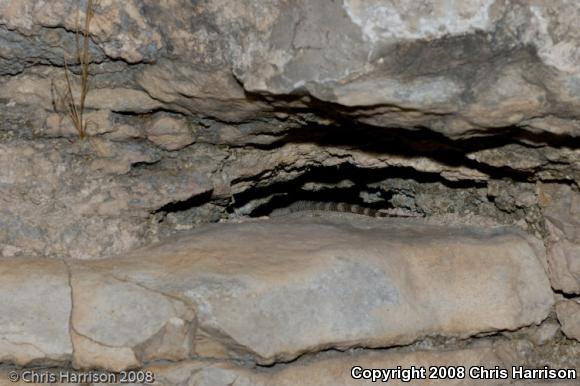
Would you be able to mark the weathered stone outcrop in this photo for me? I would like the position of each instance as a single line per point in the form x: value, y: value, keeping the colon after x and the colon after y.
x: 465, y: 114
x: 271, y: 291
x: 230, y: 95
x: 337, y: 370
x: 479, y: 65
x: 468, y: 366
x: 569, y: 315
x: 562, y: 210
x: 35, y: 304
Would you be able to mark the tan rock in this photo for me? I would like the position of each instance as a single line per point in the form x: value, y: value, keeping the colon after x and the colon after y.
x: 274, y: 290
x: 35, y: 304
x: 437, y: 93
x: 117, y: 158
x: 111, y: 318
x: 121, y: 100
x: 555, y: 125
x: 473, y: 363
x: 187, y: 89
x: 428, y: 64
x: 170, y: 133
x: 508, y: 99
x: 90, y: 354
x: 561, y: 206
x: 568, y: 312
x: 29, y: 89
x: 61, y: 125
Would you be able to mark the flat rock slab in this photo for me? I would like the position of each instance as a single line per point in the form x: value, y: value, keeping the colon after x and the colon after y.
x: 568, y: 312
x: 35, y: 308
x: 270, y: 291
x: 461, y: 367
x: 472, y: 365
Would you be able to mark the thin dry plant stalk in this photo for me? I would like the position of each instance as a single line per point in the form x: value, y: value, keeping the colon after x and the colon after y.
x: 76, y: 110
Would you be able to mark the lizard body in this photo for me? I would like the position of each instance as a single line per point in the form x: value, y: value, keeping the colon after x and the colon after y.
x: 318, y: 206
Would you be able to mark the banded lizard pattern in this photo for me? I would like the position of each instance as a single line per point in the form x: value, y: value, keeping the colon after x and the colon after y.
x: 319, y: 206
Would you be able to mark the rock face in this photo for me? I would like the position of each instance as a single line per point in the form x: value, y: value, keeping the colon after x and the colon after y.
x: 477, y: 363
x: 569, y: 315
x: 271, y: 291
x: 562, y: 211
x: 462, y: 114
x: 196, y: 106
x: 34, y: 325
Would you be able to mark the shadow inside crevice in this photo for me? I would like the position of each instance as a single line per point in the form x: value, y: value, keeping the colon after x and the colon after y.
x: 330, y: 187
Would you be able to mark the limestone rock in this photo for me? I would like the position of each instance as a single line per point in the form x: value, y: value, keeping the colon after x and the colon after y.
x: 215, y: 93
x: 569, y: 316
x: 35, y: 299
x: 121, y: 100
x: 562, y: 210
x: 271, y: 291
x: 169, y: 133
x: 69, y: 205
x: 111, y: 319
x: 335, y: 370
x: 499, y: 78
x: 453, y: 69
x: 201, y: 111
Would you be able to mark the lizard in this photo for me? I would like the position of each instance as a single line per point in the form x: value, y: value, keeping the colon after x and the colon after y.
x: 319, y: 206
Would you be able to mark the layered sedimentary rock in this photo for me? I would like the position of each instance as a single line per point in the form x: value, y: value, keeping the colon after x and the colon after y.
x: 221, y: 96
x: 269, y: 291
x: 462, y: 114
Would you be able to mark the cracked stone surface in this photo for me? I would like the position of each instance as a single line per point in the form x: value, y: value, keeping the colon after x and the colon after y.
x: 273, y: 290
x: 282, y: 275
x: 225, y: 96
x: 562, y: 210
x: 336, y: 370
x: 569, y: 316
x: 464, y: 113
x: 113, y: 321
x: 35, y: 299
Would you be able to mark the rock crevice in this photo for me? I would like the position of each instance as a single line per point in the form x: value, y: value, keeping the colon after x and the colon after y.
x: 151, y: 236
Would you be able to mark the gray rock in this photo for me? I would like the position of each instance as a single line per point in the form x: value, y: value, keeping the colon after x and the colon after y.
x: 114, y: 321
x: 170, y: 133
x: 456, y: 70
x: 205, y: 110
x: 270, y: 291
x: 336, y: 370
x: 561, y: 206
x: 35, y: 299
x: 569, y: 316
x: 255, y: 79
x: 69, y: 205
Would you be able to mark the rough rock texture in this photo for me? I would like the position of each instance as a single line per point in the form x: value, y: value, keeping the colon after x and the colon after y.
x: 112, y: 318
x: 333, y: 368
x: 336, y: 370
x: 219, y: 97
x: 267, y: 291
x: 261, y: 272
x: 461, y: 113
x: 35, y: 304
x: 569, y: 316
x: 562, y: 210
